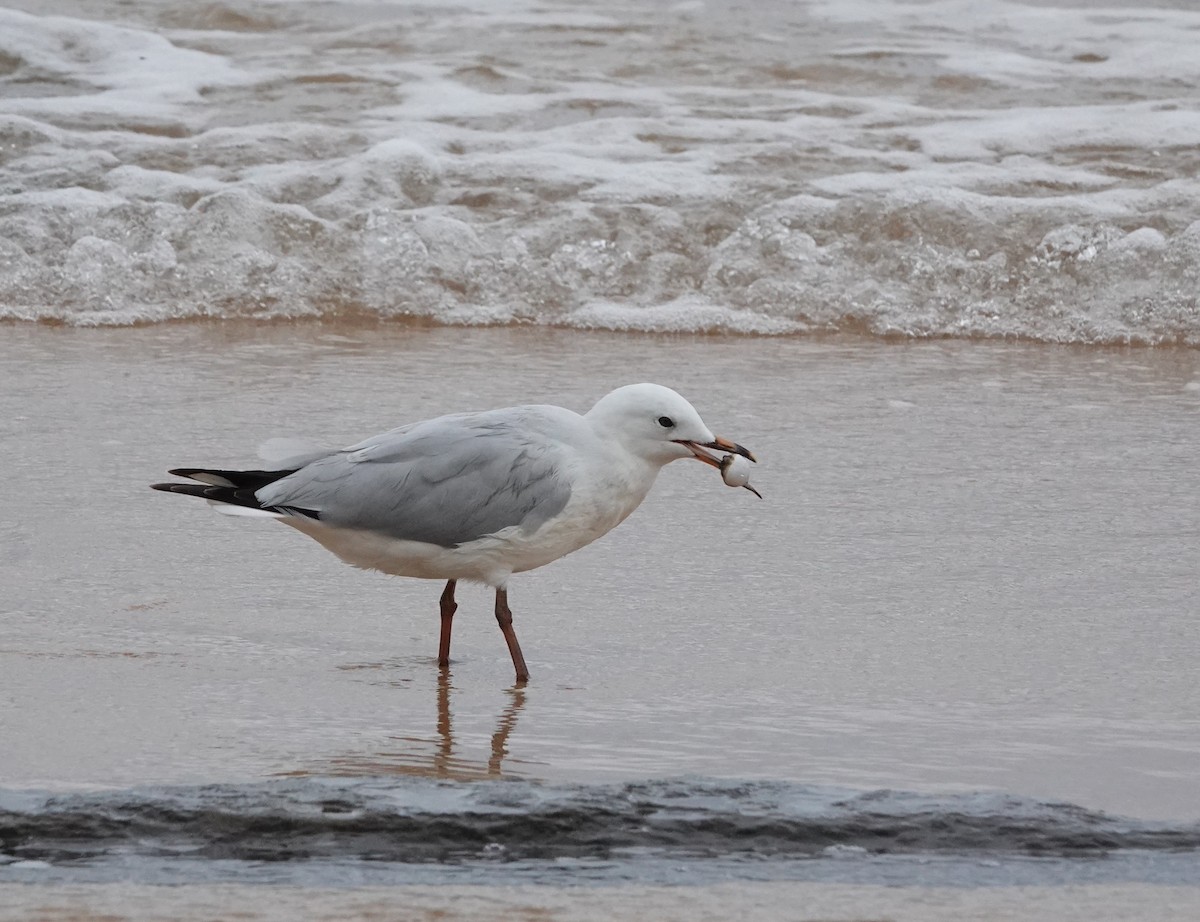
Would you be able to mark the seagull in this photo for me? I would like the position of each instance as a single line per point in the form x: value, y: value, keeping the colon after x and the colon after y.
x: 474, y: 496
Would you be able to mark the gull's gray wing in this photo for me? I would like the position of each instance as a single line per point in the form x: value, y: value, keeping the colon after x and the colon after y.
x: 445, y: 481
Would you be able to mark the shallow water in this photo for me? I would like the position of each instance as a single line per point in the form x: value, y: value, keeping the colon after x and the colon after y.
x: 949, y: 656
x: 800, y: 902
x: 973, y: 570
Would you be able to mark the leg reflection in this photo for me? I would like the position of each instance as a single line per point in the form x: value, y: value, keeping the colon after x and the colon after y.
x: 445, y: 765
x: 443, y: 757
x: 428, y: 756
x: 438, y: 757
x: 508, y: 720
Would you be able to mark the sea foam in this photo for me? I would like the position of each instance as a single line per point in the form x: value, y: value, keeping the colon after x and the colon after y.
x: 1013, y: 172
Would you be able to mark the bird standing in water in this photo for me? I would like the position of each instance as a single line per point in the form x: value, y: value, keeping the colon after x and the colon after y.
x: 475, y: 496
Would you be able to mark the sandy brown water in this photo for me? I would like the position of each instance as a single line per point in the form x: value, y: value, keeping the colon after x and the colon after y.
x: 974, y: 568
x: 966, y: 605
x: 755, y: 902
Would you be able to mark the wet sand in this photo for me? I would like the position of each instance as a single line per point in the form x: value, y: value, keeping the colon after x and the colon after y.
x: 749, y: 901
x: 974, y: 569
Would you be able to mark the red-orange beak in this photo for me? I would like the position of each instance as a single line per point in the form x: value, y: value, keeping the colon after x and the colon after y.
x: 699, y: 449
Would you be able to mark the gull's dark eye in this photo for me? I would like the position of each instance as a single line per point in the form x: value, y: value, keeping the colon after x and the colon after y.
x: 666, y: 422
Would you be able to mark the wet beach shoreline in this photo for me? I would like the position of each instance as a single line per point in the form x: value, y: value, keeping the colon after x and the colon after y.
x: 949, y: 588
x: 917, y: 573
x: 935, y: 264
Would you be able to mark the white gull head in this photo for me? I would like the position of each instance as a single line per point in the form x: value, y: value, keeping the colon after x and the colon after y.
x: 656, y: 424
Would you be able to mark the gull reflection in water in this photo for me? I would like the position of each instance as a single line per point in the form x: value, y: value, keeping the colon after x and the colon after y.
x: 434, y: 757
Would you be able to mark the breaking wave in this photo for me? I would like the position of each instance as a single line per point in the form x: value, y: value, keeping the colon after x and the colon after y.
x: 313, y: 820
x: 883, y: 169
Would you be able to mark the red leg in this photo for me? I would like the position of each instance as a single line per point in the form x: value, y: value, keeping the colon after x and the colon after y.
x: 504, y: 619
x: 449, y: 607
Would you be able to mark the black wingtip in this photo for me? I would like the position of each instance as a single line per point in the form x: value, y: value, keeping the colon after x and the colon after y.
x: 191, y: 488
x: 233, y: 496
x: 188, y: 489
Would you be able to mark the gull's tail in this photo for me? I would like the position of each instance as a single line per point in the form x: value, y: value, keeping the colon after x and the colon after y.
x: 232, y: 492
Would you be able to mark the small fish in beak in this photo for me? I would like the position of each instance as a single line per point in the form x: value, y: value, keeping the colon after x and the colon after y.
x: 735, y: 471
x: 734, y: 466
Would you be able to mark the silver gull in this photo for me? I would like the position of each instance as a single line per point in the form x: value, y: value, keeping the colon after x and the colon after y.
x: 475, y: 496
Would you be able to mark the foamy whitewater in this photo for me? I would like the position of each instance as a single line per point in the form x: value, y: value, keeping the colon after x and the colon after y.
x: 915, y: 169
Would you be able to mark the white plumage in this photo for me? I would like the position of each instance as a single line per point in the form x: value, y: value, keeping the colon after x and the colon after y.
x: 475, y: 496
